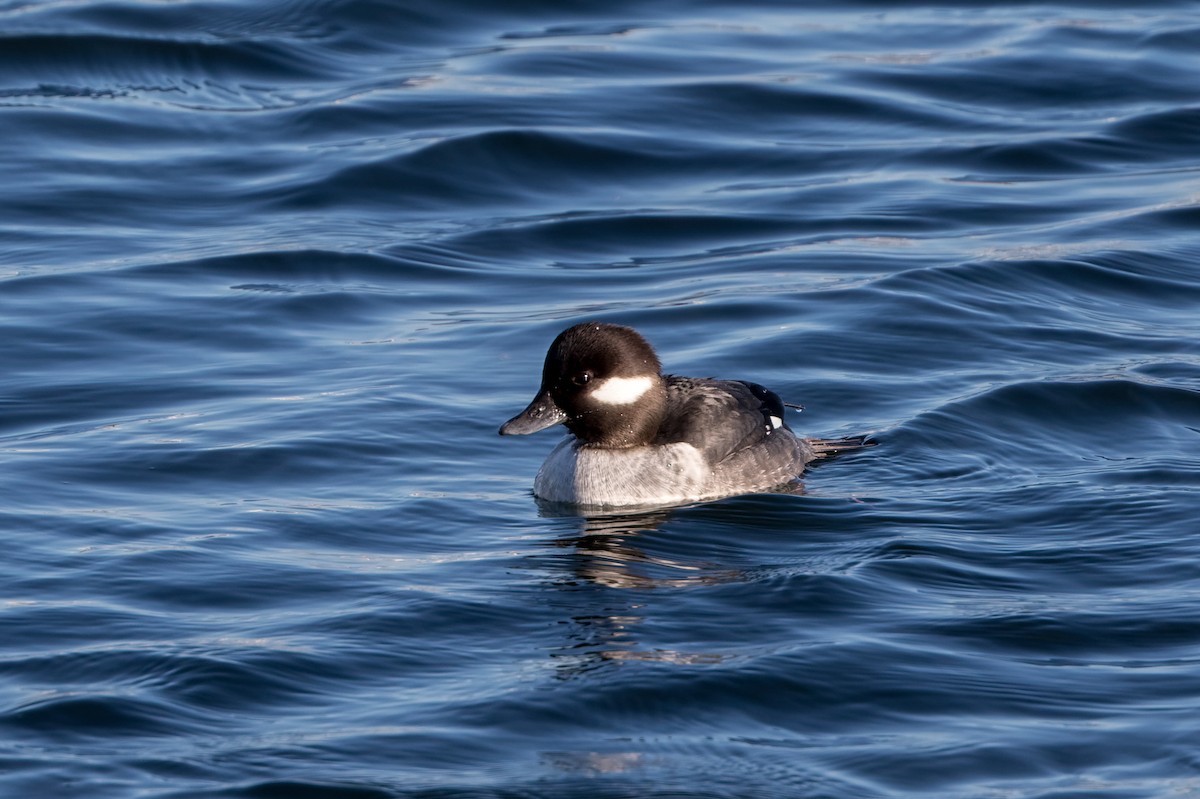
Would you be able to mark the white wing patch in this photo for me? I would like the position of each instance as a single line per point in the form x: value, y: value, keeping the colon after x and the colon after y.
x: 776, y: 423
x: 621, y: 390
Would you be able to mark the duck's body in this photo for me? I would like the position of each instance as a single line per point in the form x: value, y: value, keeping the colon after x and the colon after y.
x: 643, y: 438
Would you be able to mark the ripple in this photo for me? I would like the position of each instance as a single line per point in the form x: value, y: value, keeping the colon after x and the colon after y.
x: 275, y: 271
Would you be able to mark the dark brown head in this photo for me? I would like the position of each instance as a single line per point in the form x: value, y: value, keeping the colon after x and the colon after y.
x: 604, y: 382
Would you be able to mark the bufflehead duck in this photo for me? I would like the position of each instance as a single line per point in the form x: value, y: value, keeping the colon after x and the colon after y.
x: 642, y: 438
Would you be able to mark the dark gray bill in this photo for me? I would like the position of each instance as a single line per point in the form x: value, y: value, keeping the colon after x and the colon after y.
x: 540, y: 414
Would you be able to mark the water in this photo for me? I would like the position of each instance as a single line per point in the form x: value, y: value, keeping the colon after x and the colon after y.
x: 273, y: 273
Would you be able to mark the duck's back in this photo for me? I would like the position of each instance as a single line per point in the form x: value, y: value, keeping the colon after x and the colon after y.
x: 718, y: 438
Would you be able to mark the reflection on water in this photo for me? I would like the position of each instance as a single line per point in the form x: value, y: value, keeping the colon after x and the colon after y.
x: 606, y: 553
x: 595, y: 763
x: 615, y: 580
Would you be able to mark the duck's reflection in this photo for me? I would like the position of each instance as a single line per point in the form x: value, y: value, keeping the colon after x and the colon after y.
x: 606, y: 552
x: 609, y: 582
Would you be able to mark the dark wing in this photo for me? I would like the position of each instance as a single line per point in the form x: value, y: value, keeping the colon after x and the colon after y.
x: 719, y: 417
x: 772, y: 405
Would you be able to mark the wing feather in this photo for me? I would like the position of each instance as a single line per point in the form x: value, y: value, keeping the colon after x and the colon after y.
x: 719, y: 417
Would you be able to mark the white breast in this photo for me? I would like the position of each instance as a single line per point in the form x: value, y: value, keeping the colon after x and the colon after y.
x: 659, y: 475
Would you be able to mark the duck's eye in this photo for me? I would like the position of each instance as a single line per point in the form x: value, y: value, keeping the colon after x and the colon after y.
x: 581, y: 378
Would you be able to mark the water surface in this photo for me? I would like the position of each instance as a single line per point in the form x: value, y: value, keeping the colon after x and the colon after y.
x: 272, y: 274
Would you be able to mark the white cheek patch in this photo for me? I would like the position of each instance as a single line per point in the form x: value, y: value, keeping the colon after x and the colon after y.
x: 621, y: 390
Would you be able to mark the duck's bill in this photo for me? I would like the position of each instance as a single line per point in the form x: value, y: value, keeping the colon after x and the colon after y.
x: 540, y: 414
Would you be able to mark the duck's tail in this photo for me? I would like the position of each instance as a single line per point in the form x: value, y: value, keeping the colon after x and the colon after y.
x: 831, y: 447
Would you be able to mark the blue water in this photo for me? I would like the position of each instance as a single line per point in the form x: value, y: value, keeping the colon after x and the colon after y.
x: 272, y: 274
